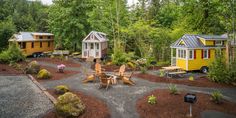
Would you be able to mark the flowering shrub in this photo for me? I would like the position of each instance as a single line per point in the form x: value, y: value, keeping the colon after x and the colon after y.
x: 61, y: 68
x: 44, y: 74
x: 142, y: 62
x: 32, y: 68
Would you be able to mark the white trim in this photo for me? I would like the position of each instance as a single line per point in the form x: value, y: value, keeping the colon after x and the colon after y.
x: 186, y: 64
x: 192, y: 54
x: 204, y: 54
x: 198, y: 48
x: 221, y: 43
x: 181, y: 41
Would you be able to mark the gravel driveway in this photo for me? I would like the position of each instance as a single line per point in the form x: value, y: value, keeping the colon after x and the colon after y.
x: 20, y: 98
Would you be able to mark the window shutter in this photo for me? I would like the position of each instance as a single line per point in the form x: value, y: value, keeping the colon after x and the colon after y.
x: 202, y: 54
x: 209, y: 53
x: 214, y: 42
x: 195, y: 56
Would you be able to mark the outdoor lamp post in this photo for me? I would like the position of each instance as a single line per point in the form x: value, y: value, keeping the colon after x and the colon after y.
x: 190, y: 98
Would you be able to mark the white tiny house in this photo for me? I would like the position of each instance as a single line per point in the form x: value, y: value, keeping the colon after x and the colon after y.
x: 94, y: 45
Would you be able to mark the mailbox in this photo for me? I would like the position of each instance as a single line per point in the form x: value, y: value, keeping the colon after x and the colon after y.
x: 190, y: 98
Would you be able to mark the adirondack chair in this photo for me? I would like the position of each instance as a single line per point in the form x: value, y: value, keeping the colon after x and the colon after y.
x: 120, y: 72
x: 127, y: 79
x: 92, y: 77
x: 104, y: 81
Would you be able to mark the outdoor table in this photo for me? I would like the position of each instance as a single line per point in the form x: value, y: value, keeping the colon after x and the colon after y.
x: 171, y: 69
x: 113, y: 78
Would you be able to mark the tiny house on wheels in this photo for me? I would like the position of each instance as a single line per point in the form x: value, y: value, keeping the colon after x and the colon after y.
x: 95, y: 45
x: 197, y: 52
x: 33, y: 43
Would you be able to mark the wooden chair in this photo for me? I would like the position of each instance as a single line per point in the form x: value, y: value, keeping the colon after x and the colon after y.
x: 104, y: 81
x: 127, y: 79
x: 92, y: 77
x: 120, y: 72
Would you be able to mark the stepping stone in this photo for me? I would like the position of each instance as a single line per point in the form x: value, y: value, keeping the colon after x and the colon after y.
x: 215, y: 114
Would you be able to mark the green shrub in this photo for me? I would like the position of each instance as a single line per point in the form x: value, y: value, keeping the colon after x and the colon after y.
x: 191, y: 78
x: 12, y: 54
x: 131, y: 65
x: 61, y: 89
x: 216, y: 96
x: 173, y: 89
x: 32, y: 68
x: 120, y: 57
x: 44, y: 74
x: 15, y: 65
x: 69, y: 105
x: 162, y: 73
x: 143, y: 69
x: 152, y: 99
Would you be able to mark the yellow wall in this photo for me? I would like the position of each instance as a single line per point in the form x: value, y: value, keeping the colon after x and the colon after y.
x: 29, y: 50
x: 197, y: 63
x: 181, y: 63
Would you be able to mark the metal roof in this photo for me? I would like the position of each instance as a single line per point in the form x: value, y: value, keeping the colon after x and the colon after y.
x: 95, y: 36
x: 190, y: 41
x: 214, y: 37
x: 28, y: 36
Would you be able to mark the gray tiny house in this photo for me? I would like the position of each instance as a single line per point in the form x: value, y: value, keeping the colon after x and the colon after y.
x: 95, y: 45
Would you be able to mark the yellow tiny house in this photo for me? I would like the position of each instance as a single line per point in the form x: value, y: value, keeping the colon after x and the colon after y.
x: 196, y: 52
x: 33, y: 42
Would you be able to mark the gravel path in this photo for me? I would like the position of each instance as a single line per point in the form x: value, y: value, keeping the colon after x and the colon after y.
x: 121, y: 99
x: 20, y: 98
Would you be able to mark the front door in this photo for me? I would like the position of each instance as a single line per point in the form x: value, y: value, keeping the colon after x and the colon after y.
x: 92, y: 50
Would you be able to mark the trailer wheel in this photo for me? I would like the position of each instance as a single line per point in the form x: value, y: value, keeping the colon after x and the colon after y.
x: 204, y: 69
x: 35, y: 55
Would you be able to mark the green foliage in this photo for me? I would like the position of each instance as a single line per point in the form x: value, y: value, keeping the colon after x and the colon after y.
x: 216, y: 96
x: 32, y: 68
x: 143, y: 69
x: 152, y: 100
x: 12, y: 54
x: 15, y: 65
x: 131, y: 64
x: 162, y: 73
x: 44, y: 74
x: 120, y: 57
x: 6, y: 31
x: 173, y: 89
x: 191, y: 78
x: 69, y: 105
x: 61, y: 89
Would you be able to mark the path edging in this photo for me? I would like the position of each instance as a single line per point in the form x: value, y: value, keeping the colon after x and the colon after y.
x: 51, y: 98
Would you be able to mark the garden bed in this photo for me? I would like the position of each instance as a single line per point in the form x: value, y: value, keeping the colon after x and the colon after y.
x: 5, y: 69
x: 57, y: 61
x: 94, y: 108
x: 55, y: 74
x: 199, y: 82
x: 173, y: 106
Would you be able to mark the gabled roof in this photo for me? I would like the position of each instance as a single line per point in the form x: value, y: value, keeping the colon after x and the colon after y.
x: 28, y: 36
x: 190, y: 41
x: 214, y: 37
x: 95, y: 36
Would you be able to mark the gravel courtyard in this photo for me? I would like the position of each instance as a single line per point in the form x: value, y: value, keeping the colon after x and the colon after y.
x: 20, y: 98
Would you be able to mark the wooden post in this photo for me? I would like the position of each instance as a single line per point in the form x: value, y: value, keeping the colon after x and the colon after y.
x: 227, y: 57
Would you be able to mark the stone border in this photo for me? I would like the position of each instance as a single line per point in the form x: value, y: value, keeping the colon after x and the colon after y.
x: 51, y: 98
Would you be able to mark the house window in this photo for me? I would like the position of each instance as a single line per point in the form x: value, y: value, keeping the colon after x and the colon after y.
x: 91, y: 46
x: 86, y: 46
x: 49, y: 37
x: 181, y: 53
x: 97, y: 45
x: 32, y: 45
x: 48, y: 43
x: 40, y: 37
x: 205, y: 54
x: 191, y: 54
x: 41, y: 44
x: 23, y: 45
x: 218, y: 43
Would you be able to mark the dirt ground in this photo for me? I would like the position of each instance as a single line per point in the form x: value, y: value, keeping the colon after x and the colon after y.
x: 56, y: 75
x: 68, y: 63
x: 199, y: 82
x: 94, y: 108
x: 5, y: 69
x: 173, y: 106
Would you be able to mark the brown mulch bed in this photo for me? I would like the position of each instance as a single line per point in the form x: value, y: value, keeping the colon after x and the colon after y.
x: 94, y: 108
x: 199, y: 82
x: 55, y: 74
x: 5, y: 69
x: 173, y: 106
x: 68, y: 63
